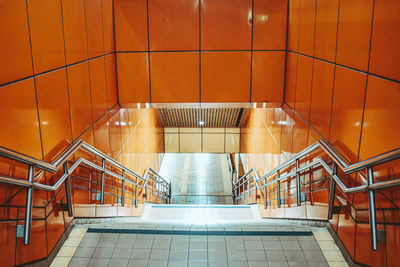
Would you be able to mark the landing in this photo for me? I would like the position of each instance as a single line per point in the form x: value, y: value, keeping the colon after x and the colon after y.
x: 198, y: 178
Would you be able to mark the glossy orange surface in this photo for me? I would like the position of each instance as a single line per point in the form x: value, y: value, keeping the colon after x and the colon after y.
x: 268, y: 77
x: 321, y: 98
x: 385, y: 53
x: 326, y: 29
x: 381, y: 112
x: 307, y: 27
x: 303, y: 86
x: 19, y: 112
x: 225, y: 77
x: 347, y: 111
x: 7, y: 242
x: 108, y: 25
x: 174, y: 25
x: 293, y: 25
x: 111, y: 79
x: 131, y: 25
x: 55, y: 227
x: 175, y: 77
x: 37, y: 249
x: 346, y: 231
x: 291, y: 77
x: 354, y: 32
x: 55, y: 123
x: 98, y: 87
x: 226, y: 24
x: 364, y: 254
x: 15, y: 53
x: 133, y: 78
x: 94, y: 28
x: 74, y: 30
x: 269, y: 29
x: 46, y: 34
x: 80, y: 102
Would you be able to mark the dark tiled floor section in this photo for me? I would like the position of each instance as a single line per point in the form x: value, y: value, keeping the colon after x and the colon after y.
x: 106, y: 249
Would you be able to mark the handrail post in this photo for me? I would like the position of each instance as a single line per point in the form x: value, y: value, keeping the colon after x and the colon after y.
x: 103, y: 174
x: 278, y: 189
x: 170, y: 193
x: 123, y: 189
x: 68, y: 190
x: 265, y: 195
x: 28, y: 211
x: 136, y: 192
x: 248, y: 188
x: 332, y: 191
x: 372, y: 211
x: 298, y: 189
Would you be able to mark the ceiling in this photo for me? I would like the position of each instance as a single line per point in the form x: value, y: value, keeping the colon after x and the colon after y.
x: 202, y: 117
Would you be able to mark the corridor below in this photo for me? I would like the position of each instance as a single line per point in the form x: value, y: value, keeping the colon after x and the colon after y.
x: 198, y: 178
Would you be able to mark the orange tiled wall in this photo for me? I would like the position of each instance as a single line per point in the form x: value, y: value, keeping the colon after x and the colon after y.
x: 343, y: 78
x: 57, y: 78
x: 200, y: 50
x: 342, y: 84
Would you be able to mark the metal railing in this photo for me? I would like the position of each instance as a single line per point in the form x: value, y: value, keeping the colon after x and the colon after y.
x: 159, y: 185
x: 243, y: 183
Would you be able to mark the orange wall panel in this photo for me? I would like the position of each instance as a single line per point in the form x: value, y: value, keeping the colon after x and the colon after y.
x: 347, y: 111
x: 381, y: 124
x: 268, y: 76
x: 108, y: 26
x: 46, y: 34
x: 53, y: 104
x: 175, y: 77
x: 321, y: 98
x: 174, y: 25
x: 111, y: 79
x: 133, y: 78
x: 291, y: 77
x: 307, y: 27
x: 98, y: 87
x: 131, y: 25
x: 94, y: 27
x: 354, y: 32
x: 326, y: 29
x: 225, y: 77
x: 226, y: 24
x: 74, y: 30
x: 18, y: 109
x: 15, y: 53
x: 269, y: 29
x: 80, y: 101
x: 303, y: 86
x: 293, y: 25
x: 385, y: 52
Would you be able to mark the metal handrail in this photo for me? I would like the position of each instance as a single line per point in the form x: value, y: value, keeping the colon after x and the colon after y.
x: 159, y: 185
x: 338, y: 162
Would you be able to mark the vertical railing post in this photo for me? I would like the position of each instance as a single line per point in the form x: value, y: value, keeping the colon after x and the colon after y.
x: 68, y: 190
x: 136, y: 192
x: 265, y: 195
x: 298, y: 189
x: 372, y: 211
x: 248, y: 188
x: 103, y: 175
x: 123, y: 189
x: 28, y: 211
x: 278, y: 189
x: 169, y: 193
x: 332, y: 191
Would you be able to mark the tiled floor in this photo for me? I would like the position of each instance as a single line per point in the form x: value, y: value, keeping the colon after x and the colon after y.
x: 110, y: 249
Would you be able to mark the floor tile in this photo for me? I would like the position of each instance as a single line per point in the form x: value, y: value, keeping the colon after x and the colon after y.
x: 197, y: 254
x: 84, y: 252
x: 60, y: 261
x: 125, y: 243
x: 178, y: 254
x: 137, y: 263
x: 295, y: 255
x: 253, y: 245
x: 143, y: 243
x: 79, y: 262
x: 102, y: 253
x: 140, y: 254
x: 275, y: 255
x: 314, y: 255
x: 98, y: 262
x: 309, y: 245
x: 121, y: 253
x: 256, y: 255
x: 175, y: 263
x: 159, y: 254
x: 118, y: 262
x: 158, y: 263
